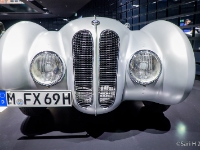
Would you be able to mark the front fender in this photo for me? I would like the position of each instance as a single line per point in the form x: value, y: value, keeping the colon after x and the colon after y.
x: 178, y: 64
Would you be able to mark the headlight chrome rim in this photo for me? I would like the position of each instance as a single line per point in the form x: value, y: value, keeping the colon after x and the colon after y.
x: 61, y: 61
x: 133, y: 79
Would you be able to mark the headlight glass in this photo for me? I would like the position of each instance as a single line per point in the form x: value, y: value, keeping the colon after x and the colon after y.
x: 144, y: 67
x: 47, y: 68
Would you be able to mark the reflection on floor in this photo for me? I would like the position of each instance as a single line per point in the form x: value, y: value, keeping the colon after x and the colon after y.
x: 2, y: 109
x: 116, y: 122
x: 130, y: 126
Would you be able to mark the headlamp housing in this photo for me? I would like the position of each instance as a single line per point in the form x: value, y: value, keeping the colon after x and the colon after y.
x: 47, y: 68
x: 145, y: 67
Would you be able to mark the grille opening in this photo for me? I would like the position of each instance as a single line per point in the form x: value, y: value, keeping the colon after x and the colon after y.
x: 82, y: 47
x: 109, y: 52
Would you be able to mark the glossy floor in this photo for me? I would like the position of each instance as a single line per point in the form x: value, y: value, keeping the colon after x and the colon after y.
x: 130, y: 126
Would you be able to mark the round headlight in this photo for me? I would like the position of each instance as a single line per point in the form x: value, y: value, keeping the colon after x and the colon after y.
x: 145, y: 67
x: 47, y: 68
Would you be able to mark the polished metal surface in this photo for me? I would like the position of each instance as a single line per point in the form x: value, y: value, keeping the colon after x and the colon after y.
x: 95, y: 22
x: 82, y: 46
x: 170, y: 45
x: 127, y: 25
x: 108, y: 67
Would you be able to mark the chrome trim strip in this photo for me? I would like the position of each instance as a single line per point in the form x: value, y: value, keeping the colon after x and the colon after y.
x: 95, y: 66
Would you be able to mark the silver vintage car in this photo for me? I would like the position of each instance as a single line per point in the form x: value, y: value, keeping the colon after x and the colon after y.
x: 94, y: 64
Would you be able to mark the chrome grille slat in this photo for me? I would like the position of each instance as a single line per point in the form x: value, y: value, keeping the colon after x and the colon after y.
x: 82, y: 47
x: 83, y: 69
x: 108, y: 57
x: 107, y: 73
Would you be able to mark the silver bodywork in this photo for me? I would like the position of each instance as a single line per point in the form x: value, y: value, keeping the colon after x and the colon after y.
x: 24, y: 40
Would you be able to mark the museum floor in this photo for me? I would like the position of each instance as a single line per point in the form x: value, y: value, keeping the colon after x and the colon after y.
x: 129, y: 127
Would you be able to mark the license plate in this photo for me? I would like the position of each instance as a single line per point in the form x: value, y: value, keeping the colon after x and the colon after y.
x: 35, y: 98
